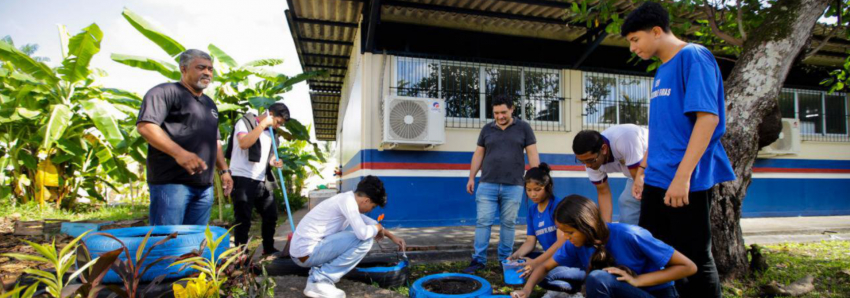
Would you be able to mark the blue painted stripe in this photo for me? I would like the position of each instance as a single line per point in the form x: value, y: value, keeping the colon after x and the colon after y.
x: 443, y: 201
x: 802, y: 163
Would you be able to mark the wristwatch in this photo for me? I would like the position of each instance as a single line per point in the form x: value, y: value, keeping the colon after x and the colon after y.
x: 222, y: 172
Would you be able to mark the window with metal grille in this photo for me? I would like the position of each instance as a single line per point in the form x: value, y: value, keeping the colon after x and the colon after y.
x: 610, y: 99
x: 823, y: 117
x: 468, y: 88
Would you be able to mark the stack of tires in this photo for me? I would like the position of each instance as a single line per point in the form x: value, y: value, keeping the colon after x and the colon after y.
x: 189, y: 238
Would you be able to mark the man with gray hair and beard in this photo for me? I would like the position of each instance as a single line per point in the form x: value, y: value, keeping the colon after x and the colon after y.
x: 180, y: 124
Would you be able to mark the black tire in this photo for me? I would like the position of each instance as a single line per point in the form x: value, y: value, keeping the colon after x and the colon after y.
x: 189, y: 238
x: 386, y: 270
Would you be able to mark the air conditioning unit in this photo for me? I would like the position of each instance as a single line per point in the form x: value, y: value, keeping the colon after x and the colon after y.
x: 788, y: 142
x: 414, y: 121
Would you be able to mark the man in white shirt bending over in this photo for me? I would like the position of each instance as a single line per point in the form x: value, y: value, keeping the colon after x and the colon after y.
x: 620, y: 148
x: 333, y: 237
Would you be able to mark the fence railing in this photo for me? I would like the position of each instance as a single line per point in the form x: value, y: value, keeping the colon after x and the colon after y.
x: 823, y: 117
x: 610, y: 99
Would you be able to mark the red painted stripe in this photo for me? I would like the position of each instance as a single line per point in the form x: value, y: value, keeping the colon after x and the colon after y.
x: 435, y: 166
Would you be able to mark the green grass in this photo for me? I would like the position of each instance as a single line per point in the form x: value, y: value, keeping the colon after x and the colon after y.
x: 789, y: 262
x: 492, y: 273
x: 31, y: 211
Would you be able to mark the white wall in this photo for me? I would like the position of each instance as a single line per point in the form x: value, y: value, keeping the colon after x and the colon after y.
x: 375, y: 74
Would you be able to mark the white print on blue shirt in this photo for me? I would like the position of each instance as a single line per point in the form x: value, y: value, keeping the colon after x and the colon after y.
x: 546, y: 230
x: 660, y: 92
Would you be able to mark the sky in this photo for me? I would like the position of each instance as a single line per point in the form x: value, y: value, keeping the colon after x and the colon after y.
x: 246, y: 30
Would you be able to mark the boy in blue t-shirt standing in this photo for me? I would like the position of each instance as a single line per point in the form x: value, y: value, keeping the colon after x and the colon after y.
x: 685, y: 158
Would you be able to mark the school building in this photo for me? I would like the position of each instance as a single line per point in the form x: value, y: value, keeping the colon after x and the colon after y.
x: 410, y: 83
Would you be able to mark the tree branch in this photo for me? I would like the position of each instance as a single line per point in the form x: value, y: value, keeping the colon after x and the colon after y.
x: 741, y: 21
x: 710, y: 12
x: 822, y: 43
x: 727, y: 59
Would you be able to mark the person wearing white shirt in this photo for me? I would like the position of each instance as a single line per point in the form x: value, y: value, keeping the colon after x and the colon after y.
x: 251, y: 160
x: 620, y: 148
x: 335, y: 236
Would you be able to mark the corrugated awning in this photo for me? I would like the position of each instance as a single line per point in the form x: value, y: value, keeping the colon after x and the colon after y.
x: 324, y: 32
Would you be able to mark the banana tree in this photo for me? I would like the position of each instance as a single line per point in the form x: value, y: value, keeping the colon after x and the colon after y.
x: 299, y: 156
x: 59, y: 130
x: 236, y: 86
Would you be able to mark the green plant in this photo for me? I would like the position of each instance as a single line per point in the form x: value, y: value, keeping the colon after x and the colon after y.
x: 60, y: 131
x: 19, y: 291
x: 132, y: 268
x: 213, y: 266
x: 243, y: 278
x: 236, y: 87
x: 60, y: 261
x: 91, y: 277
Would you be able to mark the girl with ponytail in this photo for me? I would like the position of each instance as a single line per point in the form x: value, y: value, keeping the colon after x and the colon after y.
x: 621, y: 260
x: 541, y: 228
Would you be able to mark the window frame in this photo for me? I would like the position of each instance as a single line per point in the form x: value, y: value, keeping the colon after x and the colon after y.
x: 482, y: 94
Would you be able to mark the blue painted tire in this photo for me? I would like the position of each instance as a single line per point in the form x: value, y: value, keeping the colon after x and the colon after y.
x: 189, y: 238
x: 385, y: 276
x: 418, y: 291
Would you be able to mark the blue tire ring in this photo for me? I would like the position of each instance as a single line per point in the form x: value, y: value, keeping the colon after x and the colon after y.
x: 418, y: 291
x: 384, y: 276
x: 189, y: 238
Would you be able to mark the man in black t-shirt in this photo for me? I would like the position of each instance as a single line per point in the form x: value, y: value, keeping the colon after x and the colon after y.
x: 180, y: 124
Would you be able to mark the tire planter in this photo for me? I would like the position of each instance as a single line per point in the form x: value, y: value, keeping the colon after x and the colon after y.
x: 189, y: 238
x: 447, y: 285
x: 385, y: 270
x: 385, y: 275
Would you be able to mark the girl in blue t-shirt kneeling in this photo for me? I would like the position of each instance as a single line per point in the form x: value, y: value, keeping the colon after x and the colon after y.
x: 622, y: 260
x: 542, y: 228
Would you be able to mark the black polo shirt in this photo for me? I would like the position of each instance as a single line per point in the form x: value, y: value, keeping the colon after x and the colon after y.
x: 504, y: 158
x: 191, y: 122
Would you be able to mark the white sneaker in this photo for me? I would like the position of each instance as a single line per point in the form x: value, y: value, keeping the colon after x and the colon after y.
x: 322, y: 290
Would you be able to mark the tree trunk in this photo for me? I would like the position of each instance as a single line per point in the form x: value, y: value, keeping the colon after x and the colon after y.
x: 752, y: 91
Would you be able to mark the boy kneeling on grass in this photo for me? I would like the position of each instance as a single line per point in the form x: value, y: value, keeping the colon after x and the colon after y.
x: 622, y: 260
x: 335, y: 236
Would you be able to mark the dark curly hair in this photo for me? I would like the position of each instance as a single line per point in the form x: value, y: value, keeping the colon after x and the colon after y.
x: 587, y: 141
x: 583, y: 215
x: 540, y: 175
x: 647, y: 16
x: 373, y: 188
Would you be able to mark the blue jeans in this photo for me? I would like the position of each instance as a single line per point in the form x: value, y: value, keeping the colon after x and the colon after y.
x: 629, y: 206
x: 563, y: 279
x: 178, y: 204
x: 601, y: 284
x: 335, y: 256
x: 490, y: 199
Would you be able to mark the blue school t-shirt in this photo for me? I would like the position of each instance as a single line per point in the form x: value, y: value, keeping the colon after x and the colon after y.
x: 690, y: 82
x: 631, y: 246
x: 542, y: 224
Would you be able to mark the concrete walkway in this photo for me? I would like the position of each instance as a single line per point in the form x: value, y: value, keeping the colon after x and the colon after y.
x: 755, y: 230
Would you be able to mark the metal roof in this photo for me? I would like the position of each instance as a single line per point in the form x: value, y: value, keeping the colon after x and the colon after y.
x: 324, y: 33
